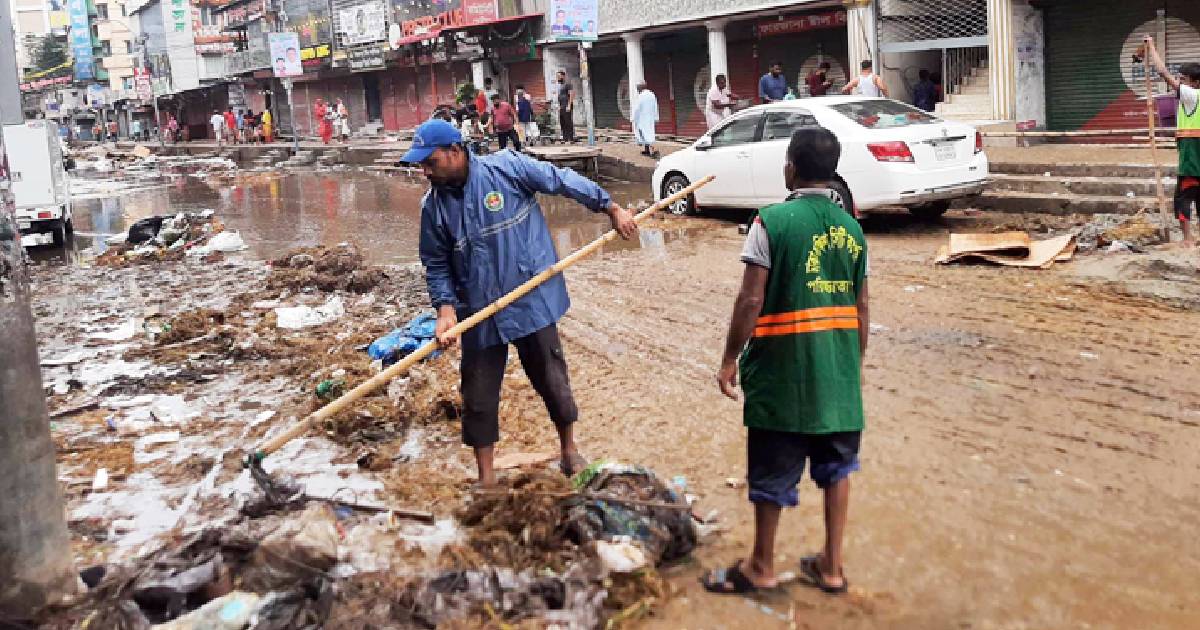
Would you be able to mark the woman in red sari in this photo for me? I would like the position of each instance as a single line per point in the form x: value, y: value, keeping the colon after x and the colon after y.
x: 324, y: 126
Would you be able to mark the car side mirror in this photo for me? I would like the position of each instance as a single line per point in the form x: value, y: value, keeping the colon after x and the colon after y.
x: 705, y: 142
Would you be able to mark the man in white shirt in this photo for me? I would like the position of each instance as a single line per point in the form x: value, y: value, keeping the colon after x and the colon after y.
x: 218, y: 124
x: 718, y: 105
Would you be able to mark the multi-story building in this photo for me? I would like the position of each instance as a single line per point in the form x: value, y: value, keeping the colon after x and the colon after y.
x: 115, y: 34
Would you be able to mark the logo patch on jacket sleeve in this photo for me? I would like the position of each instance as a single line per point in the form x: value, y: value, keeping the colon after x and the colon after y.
x: 494, y: 201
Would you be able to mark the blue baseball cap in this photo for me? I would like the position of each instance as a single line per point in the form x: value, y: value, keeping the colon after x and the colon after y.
x: 430, y: 136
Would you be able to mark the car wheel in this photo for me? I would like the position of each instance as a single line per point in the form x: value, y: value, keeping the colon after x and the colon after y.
x: 840, y: 194
x: 674, y: 184
x: 930, y: 211
x: 60, y: 233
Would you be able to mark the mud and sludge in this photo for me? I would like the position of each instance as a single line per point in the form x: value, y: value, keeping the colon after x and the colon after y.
x: 1016, y: 422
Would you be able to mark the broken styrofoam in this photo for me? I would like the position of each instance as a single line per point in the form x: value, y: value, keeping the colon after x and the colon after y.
x: 305, y: 316
x: 621, y: 556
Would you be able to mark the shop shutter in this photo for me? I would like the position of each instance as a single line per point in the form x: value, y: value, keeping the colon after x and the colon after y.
x: 690, y: 80
x: 744, y: 70
x: 609, y: 87
x: 401, y: 100
x: 658, y: 69
x: 801, y: 53
x: 528, y: 74
x: 1091, y: 80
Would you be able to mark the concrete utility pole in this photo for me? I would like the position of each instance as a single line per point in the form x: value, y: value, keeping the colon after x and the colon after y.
x: 35, y: 551
x: 585, y: 76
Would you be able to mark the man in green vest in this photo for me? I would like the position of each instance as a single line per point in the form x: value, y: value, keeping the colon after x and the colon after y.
x: 800, y: 326
x: 1187, y: 136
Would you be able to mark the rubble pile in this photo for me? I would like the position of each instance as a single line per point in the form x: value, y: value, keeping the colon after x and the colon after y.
x: 337, y: 268
x: 161, y: 238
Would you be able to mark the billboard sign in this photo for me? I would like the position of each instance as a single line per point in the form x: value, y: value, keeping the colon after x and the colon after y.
x: 81, y: 40
x: 285, y: 54
x: 363, y: 24
x: 141, y: 82
x: 573, y: 20
x: 478, y: 12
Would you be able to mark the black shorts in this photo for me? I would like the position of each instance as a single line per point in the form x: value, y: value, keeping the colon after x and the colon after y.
x: 1187, y: 195
x: 775, y: 462
x: 483, y: 372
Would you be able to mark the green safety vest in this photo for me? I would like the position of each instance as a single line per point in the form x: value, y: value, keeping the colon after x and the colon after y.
x: 1187, y: 138
x: 801, y: 370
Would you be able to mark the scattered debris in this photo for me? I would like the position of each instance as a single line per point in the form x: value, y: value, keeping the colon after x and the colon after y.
x: 307, y: 316
x: 1011, y: 249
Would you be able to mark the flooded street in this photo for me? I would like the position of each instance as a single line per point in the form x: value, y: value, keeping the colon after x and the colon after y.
x: 277, y: 211
x: 1031, y: 457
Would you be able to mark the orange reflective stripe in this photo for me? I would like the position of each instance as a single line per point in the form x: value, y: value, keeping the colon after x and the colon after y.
x: 796, y: 328
x: 809, y: 313
x: 1187, y: 133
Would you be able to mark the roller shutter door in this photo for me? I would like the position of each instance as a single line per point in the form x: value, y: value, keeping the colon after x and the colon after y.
x: 1091, y: 80
x: 610, y: 92
x: 528, y: 74
x: 659, y: 79
x: 401, y: 101
x: 744, y: 69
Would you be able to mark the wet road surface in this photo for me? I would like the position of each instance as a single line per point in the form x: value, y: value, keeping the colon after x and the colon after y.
x: 275, y: 212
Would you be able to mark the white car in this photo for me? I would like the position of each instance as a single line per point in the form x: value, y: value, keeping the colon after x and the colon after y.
x: 892, y: 155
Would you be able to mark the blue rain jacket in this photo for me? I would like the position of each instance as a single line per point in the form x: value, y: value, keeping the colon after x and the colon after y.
x: 484, y: 240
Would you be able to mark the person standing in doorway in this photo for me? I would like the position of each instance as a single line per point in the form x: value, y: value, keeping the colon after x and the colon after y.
x: 797, y: 337
x: 924, y: 92
x: 772, y: 86
x: 566, y: 107
x: 343, y: 119
x: 867, y: 83
x: 1187, y: 136
x: 504, y: 123
x: 645, y: 116
x: 718, y: 105
x: 528, y: 128
x: 172, y: 128
x: 818, y: 80
x: 322, y: 113
x: 217, y: 121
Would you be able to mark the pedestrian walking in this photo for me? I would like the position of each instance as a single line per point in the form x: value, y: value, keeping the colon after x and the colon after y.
x: 718, y: 104
x: 322, y: 114
x: 172, y: 128
x: 1187, y: 136
x: 343, y: 120
x: 492, y: 202
x: 527, y: 127
x: 800, y: 326
x: 645, y: 116
x: 250, y: 126
x: 240, y: 123
x: 217, y: 121
x: 504, y: 123
x: 566, y: 107
x: 818, y: 80
x: 231, y: 126
x: 772, y: 86
x: 867, y: 83
x: 113, y: 130
x: 135, y: 129
x: 98, y: 132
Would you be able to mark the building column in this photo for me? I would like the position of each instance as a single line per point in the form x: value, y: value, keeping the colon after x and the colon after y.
x: 479, y: 71
x: 634, y: 65
x: 860, y: 36
x: 1002, y: 54
x: 718, y: 55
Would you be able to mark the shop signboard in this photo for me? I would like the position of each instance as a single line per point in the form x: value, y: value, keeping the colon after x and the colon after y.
x: 801, y: 23
x: 573, y: 20
x: 141, y: 80
x: 363, y: 24
x: 81, y: 40
x: 365, y: 58
x: 478, y: 12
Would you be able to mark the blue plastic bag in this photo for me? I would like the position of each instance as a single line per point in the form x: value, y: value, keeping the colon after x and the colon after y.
x: 404, y: 340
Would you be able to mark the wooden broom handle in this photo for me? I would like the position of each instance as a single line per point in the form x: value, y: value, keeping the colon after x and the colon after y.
x: 401, y: 366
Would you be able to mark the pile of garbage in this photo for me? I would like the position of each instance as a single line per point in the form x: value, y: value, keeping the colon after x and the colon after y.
x: 1122, y: 232
x: 158, y: 238
x: 338, y: 268
x: 540, y: 550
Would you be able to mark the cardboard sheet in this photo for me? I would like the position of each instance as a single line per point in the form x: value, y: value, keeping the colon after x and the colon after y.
x: 1011, y: 249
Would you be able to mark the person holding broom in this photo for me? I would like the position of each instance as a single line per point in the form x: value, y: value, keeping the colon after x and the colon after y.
x: 483, y: 234
x: 1187, y: 136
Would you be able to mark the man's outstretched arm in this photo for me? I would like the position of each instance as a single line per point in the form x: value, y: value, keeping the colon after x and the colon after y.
x: 546, y: 178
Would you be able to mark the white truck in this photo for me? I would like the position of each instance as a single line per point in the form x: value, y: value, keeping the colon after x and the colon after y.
x: 38, y: 180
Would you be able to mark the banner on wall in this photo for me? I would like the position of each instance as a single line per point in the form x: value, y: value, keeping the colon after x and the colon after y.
x: 363, y: 24
x: 285, y: 54
x: 573, y: 20
x: 801, y: 23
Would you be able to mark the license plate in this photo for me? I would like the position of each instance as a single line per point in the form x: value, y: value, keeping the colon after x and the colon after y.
x: 944, y: 152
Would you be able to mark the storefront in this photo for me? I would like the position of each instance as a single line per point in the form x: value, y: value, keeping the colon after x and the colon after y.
x: 1091, y: 79
x: 677, y: 69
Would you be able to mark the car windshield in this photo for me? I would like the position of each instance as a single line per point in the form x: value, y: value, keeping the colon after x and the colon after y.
x: 883, y: 114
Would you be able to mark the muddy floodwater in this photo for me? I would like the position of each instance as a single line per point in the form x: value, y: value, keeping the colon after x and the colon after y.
x: 277, y: 211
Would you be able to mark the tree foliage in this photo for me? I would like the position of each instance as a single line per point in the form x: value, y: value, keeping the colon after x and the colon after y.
x: 51, y: 53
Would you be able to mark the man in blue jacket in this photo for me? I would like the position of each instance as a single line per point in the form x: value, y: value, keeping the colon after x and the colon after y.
x: 482, y: 235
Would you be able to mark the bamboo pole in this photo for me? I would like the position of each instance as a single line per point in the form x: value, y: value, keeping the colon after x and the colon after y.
x: 401, y: 366
x: 1158, y: 185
